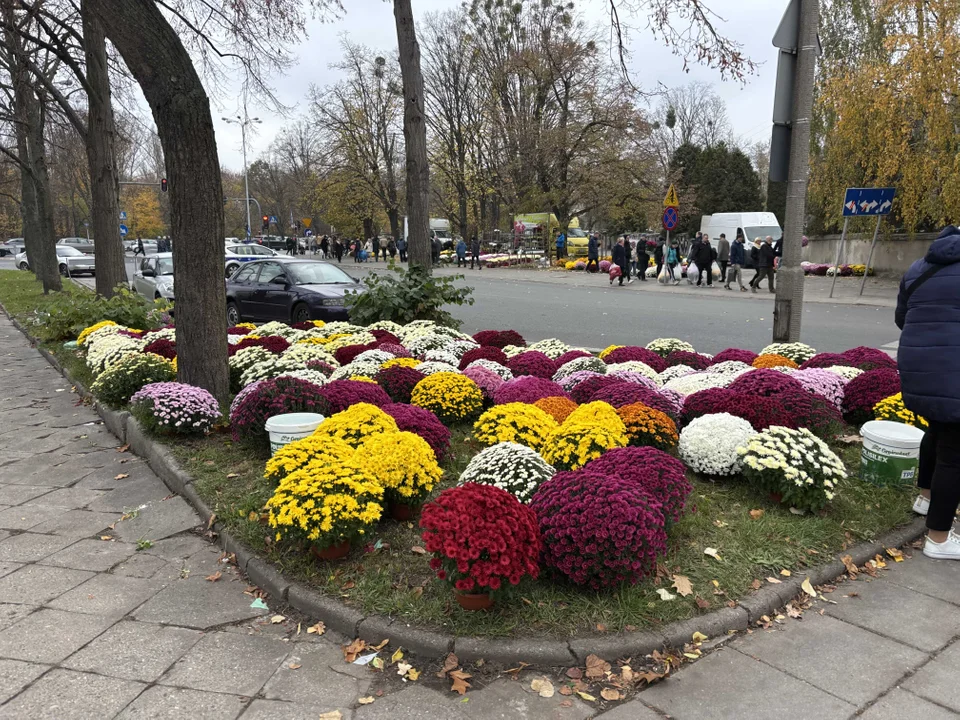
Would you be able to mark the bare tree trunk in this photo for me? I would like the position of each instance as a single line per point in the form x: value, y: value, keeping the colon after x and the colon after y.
x: 181, y: 109
x: 788, y: 310
x: 393, y: 215
x: 101, y: 159
x: 415, y: 136
x: 48, y: 266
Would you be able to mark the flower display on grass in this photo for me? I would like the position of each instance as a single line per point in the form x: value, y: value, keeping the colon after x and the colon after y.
x: 822, y: 382
x: 634, y: 366
x: 238, y: 398
x: 277, y: 396
x: 695, y: 382
x: 481, y: 537
x: 385, y: 337
x: 385, y: 326
x: 314, y: 376
x: 773, y: 361
x: 324, y: 368
x: 551, y: 347
x: 635, y: 353
x: 893, y: 409
x: 735, y: 354
x: 270, y: 366
x: 674, y: 372
x: 432, y: 368
x: 501, y: 371
x: 570, y: 382
x: 847, y: 372
x: 580, y: 364
x: 341, y: 394
x: 559, y: 408
x: 573, y: 444
x: 163, y: 347
x: 766, y: 383
x: 599, y: 530
x: 499, y: 338
x: 636, y: 378
x: 665, y: 346
x: 509, y: 466
x: 794, y: 464
x: 106, y: 350
x: 241, y: 329
x: 403, y: 462
x: 279, y: 329
x: 515, y: 423
x: 730, y: 368
x: 690, y: 359
x: 423, y: 423
x: 708, y: 445
x: 660, y: 475
x: 406, y: 362
x: 399, y: 381
x: 527, y: 389
x: 115, y: 385
x: 246, y: 358
x: 326, y: 504
x: 299, y: 454
x: 421, y: 344
x: 863, y: 392
x: 532, y: 363
x: 452, y: 397
x: 174, y: 407
x: 760, y: 412
x: 355, y: 424
x: 597, y: 412
x: 374, y: 356
x: 272, y: 343
x: 798, y: 352
x: 88, y: 331
x: 624, y: 393
x: 648, y: 427
x: 488, y: 352
x: 396, y: 350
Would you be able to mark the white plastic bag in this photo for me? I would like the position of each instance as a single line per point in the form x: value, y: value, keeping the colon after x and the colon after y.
x: 664, y: 277
x: 692, y: 272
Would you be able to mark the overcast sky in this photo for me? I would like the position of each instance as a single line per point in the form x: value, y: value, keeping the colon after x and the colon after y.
x: 750, y: 22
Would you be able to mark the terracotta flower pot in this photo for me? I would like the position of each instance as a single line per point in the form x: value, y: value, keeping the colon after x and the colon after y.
x: 402, y: 511
x: 473, y: 601
x: 333, y: 552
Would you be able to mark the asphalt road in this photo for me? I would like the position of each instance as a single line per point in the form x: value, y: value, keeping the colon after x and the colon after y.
x: 597, y: 315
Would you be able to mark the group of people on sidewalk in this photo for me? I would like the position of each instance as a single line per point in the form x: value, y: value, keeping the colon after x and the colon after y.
x: 461, y: 250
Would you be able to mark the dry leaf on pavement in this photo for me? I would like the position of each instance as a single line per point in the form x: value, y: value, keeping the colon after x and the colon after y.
x: 542, y: 686
x: 332, y: 715
x: 216, y: 576
x: 699, y: 637
x: 451, y: 663
x: 895, y: 554
x: 318, y: 629
x: 786, y: 573
x: 808, y: 588
x: 587, y: 696
x: 276, y: 619
x: 460, y: 684
x: 851, y: 567
x: 574, y: 673
x: 397, y: 656
x: 610, y: 694
x: 682, y: 584
x: 366, y: 700
x: 597, y: 668
x: 774, y: 581
x: 756, y: 584
x: 351, y: 651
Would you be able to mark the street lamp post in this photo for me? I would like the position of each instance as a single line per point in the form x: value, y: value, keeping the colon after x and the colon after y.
x: 243, y: 122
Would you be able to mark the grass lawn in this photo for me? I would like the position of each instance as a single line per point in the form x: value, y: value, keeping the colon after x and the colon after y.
x: 390, y: 577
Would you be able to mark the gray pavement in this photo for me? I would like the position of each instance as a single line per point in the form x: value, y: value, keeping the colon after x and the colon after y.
x: 113, y: 604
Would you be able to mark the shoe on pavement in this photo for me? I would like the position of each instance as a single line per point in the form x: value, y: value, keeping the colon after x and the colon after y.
x: 676, y: 282
x: 742, y: 289
x: 629, y: 281
x: 947, y: 550
x: 753, y: 290
x: 921, y: 506
x: 611, y: 281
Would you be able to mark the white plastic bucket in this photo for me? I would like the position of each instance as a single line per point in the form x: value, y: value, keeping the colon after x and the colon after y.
x: 891, y: 452
x: 284, y: 429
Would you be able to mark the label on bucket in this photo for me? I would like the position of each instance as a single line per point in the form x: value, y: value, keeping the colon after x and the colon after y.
x: 885, y: 465
x: 278, y: 440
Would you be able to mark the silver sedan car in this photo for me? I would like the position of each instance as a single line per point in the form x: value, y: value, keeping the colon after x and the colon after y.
x: 70, y: 261
x: 153, y: 278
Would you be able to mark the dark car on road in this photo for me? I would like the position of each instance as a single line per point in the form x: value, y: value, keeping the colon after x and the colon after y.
x: 288, y: 290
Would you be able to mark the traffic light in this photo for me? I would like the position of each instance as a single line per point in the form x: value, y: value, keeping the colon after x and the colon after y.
x: 163, y: 184
x: 266, y: 223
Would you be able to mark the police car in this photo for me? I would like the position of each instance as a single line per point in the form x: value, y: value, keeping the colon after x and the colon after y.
x: 236, y: 254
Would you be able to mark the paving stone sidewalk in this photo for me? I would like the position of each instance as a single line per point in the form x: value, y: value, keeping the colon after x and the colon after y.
x: 129, y: 626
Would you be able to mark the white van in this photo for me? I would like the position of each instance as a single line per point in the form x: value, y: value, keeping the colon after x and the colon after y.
x: 751, y: 225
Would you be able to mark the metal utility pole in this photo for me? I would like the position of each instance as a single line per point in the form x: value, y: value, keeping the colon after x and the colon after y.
x: 804, y: 17
x: 243, y: 122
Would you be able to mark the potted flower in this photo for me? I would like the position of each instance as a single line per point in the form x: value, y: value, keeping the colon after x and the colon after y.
x: 480, y: 537
x: 405, y: 465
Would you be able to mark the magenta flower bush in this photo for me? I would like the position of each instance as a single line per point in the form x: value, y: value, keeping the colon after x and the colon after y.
x: 273, y: 343
x: 690, y: 359
x: 633, y: 352
x: 599, y: 530
x: 347, y: 353
x: 867, y: 358
x: 825, y: 360
x: 274, y: 397
x: 341, y: 394
x: 865, y: 391
x: 398, y: 382
x: 175, y: 407
x: 527, y: 389
x: 766, y: 383
x: 658, y: 473
x: 487, y: 380
x: 500, y: 338
x: 759, y: 411
x: 321, y: 366
x: 632, y: 376
x: 571, y: 355
x: 163, y: 347
x: 385, y: 337
x: 487, y: 352
x: 827, y: 385
x: 421, y: 422
x: 624, y: 393
x: 605, y: 266
x: 744, y: 356
x: 817, y: 414
x: 588, y: 385
x: 532, y: 362
x: 395, y: 349
x: 569, y: 382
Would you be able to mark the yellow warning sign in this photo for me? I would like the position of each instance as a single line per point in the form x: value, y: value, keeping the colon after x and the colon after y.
x: 306, y: 221
x: 671, y: 200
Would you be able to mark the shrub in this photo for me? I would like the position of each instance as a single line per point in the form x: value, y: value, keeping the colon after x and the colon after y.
x: 599, y: 530
x: 813, y: 412
x: 765, y: 383
x: 660, y: 475
x: 403, y: 463
x: 632, y: 352
x: 509, y: 466
x: 174, y: 407
x: 559, y: 408
x: 399, y: 381
x: 452, y: 397
x: 483, y: 353
x: 480, y: 536
x: 708, y: 445
x: 423, y: 423
x: 794, y: 464
x: 403, y: 296
x: 797, y: 351
x: 303, y: 453
x: 277, y: 396
x: 735, y: 354
x: 117, y: 384
x: 863, y: 392
x: 866, y: 358
x: 760, y: 412
x: 527, y: 389
x: 773, y: 361
x: 532, y: 363
x: 665, y: 346
x: 70, y: 313
x: 690, y: 359
x: 341, y: 394
x: 893, y: 409
x: 515, y: 423
x: 499, y: 338
x: 648, y: 427
x: 385, y: 337
x: 573, y: 445
x: 355, y: 424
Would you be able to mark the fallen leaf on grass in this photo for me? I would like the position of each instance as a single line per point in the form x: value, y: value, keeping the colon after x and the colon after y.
x: 451, y: 663
x: 850, y: 439
x: 366, y: 700
x: 756, y: 514
x: 601, y: 628
x: 682, y: 584
x: 318, y: 629
x: 460, y: 684
x: 610, y: 694
x: 702, y: 604
x: 542, y: 686
x: 895, y: 554
x: 665, y: 594
x: 756, y: 584
x: 276, y: 619
x: 712, y: 552
x: 851, y: 567
x: 211, y: 521
x: 808, y: 588
x: 216, y: 576
x: 418, y: 550
x: 597, y: 667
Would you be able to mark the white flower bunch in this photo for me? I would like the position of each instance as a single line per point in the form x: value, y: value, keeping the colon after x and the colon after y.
x: 708, y: 445
x: 389, y: 325
x: 105, y: 331
x: 235, y: 339
x: 454, y: 334
x: 797, y: 351
x: 161, y: 334
x: 109, y: 349
x: 695, y: 382
x: 551, y: 347
x: 511, y: 467
x: 795, y: 464
x: 377, y: 356
x: 357, y: 338
x: 280, y: 330
x: 665, y: 346
x: 847, y: 373
x: 441, y: 356
x: 674, y: 372
x: 501, y: 371
x: 422, y: 344
x: 312, y: 376
x: 592, y: 364
x: 269, y: 367
x: 305, y: 352
x: 514, y: 350
x: 429, y: 368
x: 362, y: 368
x: 461, y: 347
x: 335, y: 328
x: 249, y: 356
x: 731, y: 368
x: 634, y: 366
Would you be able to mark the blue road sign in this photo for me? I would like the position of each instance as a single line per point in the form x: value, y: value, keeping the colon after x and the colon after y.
x: 273, y: 219
x: 670, y: 218
x: 123, y: 214
x: 123, y: 231
x: 868, y: 201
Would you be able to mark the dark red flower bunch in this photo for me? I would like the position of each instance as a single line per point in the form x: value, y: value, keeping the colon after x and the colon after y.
x: 484, y: 352
x: 423, y: 423
x: 867, y: 358
x: 759, y: 411
x: 571, y: 355
x: 238, y: 331
x: 397, y: 350
x: 599, y: 530
x: 634, y: 352
x: 480, y: 536
x: 321, y: 366
x: 273, y: 343
x: 131, y: 333
x: 305, y: 325
x: 660, y: 474
x: 767, y: 383
x: 347, y: 353
x: 274, y: 397
x: 735, y: 354
x: 532, y: 362
x: 385, y: 336
x: 865, y: 391
x: 584, y: 390
x: 527, y: 389
x: 163, y: 348
x: 500, y: 338
x: 690, y: 359
x: 399, y: 382
x: 825, y: 360
x: 814, y: 412
x: 628, y: 393
x: 341, y: 394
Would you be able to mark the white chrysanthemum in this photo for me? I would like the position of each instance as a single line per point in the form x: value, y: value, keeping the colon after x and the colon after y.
x: 358, y: 338
x: 305, y: 352
x: 362, y: 368
x: 503, y: 372
x: 551, y: 347
x: 103, y: 332
x: 280, y: 330
x: 454, y: 334
x: 109, y: 349
x: 441, y: 356
x: 429, y: 368
x: 674, y: 372
x: 420, y: 345
x: 514, y: 350
x: 634, y: 366
x: 847, y: 373
x: 591, y: 364
x: 245, y: 357
x: 268, y: 368
x: 665, y: 346
x: 161, y: 334
x: 797, y: 351
x: 461, y: 347
x: 313, y: 376
x: 511, y: 467
x: 335, y: 328
x: 389, y: 325
x: 731, y: 368
x: 708, y: 445
x: 235, y: 339
x: 695, y: 382
x: 377, y: 356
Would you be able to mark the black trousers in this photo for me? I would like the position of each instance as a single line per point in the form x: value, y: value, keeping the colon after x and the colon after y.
x: 940, y: 473
x: 594, y: 264
x: 474, y: 256
x: 764, y: 272
x: 709, y: 272
x: 723, y: 270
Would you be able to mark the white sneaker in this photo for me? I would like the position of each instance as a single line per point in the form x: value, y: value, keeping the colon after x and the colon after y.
x: 921, y: 506
x: 947, y: 550
x: 629, y: 281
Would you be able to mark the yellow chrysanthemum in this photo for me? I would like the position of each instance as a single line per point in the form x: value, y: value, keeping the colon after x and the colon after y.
x: 355, y: 424
x: 573, y: 445
x: 559, y: 408
x: 893, y: 409
x: 609, y: 349
x: 401, y: 362
x: 403, y: 463
x: 85, y: 333
x: 514, y: 422
x: 300, y: 453
x: 452, y: 397
x: 599, y: 413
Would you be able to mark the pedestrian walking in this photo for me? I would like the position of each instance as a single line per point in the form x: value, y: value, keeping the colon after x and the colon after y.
x: 593, y: 253
x: 561, y: 245
x: 139, y: 249
x: 620, y: 259
x: 475, y: 252
x: 643, y: 260
x: 694, y: 247
x: 627, y: 254
x: 324, y: 247
x: 392, y: 249
x: 658, y: 253
x: 704, y: 258
x: 402, y: 249
x: 461, y: 253
x: 765, y: 265
x: 673, y: 259
x: 338, y: 250
x: 928, y: 313
x: 755, y: 259
x: 723, y: 256
x: 375, y: 247
x: 737, y: 260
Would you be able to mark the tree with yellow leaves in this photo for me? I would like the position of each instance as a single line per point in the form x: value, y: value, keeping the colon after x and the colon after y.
x: 143, y: 213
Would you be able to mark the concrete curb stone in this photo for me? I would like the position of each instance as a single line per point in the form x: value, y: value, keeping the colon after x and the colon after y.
x: 267, y: 577
x: 635, y: 644
x: 511, y: 650
x: 334, y: 614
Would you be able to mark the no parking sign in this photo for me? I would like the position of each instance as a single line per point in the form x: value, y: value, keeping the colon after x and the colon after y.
x: 670, y: 218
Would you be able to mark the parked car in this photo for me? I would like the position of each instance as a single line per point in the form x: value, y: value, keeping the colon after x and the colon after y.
x: 149, y: 246
x: 71, y: 261
x: 289, y: 290
x: 84, y: 245
x: 238, y: 253
x: 153, y: 278
x: 13, y: 246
